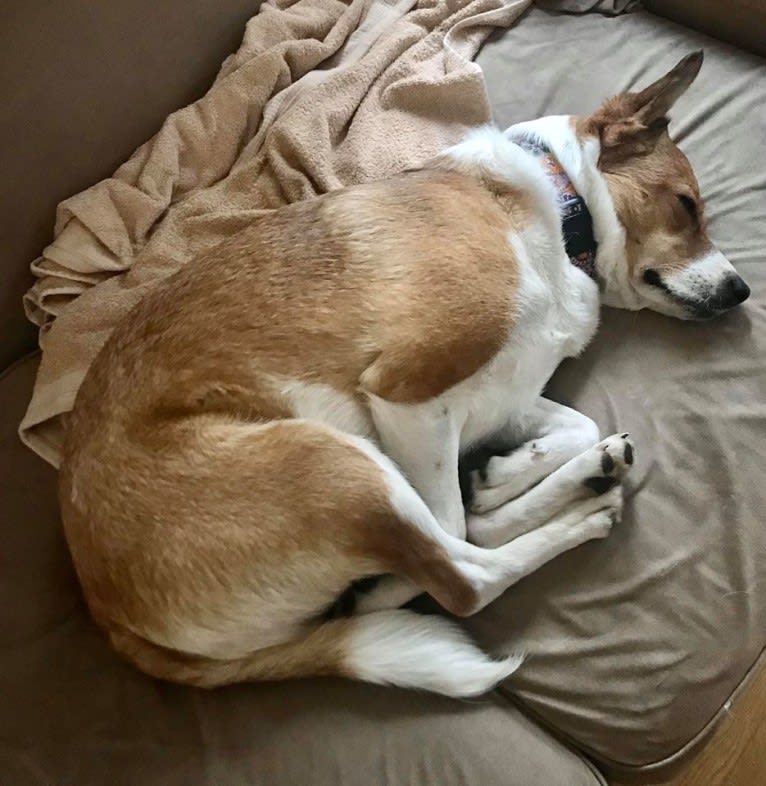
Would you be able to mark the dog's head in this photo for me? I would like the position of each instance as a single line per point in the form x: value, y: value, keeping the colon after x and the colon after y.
x: 672, y: 266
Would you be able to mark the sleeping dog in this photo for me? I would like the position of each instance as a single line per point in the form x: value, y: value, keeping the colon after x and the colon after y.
x: 283, y: 418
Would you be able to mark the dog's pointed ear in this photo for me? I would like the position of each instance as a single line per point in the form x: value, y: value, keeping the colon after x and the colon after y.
x: 657, y: 100
x: 631, y: 123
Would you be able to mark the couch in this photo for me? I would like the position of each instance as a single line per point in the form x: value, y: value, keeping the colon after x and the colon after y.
x: 637, y: 645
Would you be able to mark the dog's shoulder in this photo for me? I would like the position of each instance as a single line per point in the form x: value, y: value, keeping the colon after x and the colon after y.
x: 440, y: 274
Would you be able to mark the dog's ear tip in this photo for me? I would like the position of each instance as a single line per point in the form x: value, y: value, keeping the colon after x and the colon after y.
x: 687, y: 68
x: 694, y: 59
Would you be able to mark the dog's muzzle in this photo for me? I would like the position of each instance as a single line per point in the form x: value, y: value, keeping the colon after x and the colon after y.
x: 703, y: 289
x: 730, y: 293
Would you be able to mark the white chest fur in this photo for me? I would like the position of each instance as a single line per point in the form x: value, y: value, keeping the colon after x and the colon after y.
x: 559, y: 308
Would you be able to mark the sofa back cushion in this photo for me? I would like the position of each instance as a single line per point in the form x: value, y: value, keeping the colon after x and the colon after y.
x: 740, y: 22
x: 83, y: 85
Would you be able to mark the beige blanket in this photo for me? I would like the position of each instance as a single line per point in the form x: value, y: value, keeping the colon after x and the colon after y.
x: 321, y: 93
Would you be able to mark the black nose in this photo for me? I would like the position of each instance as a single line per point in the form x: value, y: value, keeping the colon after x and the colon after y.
x: 734, y: 291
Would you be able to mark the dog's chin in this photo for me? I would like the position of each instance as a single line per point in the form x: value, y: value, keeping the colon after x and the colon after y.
x: 692, y: 311
x: 706, y: 309
x: 702, y: 312
x: 687, y: 309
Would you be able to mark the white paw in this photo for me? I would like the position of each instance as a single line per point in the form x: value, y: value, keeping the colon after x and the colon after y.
x: 605, y: 465
x: 598, y: 525
x: 596, y: 516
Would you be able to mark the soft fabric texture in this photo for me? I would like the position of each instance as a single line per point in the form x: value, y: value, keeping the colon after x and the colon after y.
x: 320, y: 94
x: 82, y: 88
x: 581, y: 6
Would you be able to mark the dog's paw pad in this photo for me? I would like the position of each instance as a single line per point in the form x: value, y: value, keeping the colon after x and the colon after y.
x: 628, y: 454
x: 601, y: 484
x: 615, y: 456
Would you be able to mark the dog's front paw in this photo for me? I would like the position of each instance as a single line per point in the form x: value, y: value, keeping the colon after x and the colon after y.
x: 598, y: 525
x: 611, y: 459
x: 595, y: 517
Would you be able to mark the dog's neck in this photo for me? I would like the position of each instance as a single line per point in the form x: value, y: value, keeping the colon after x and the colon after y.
x: 578, y: 157
x: 576, y: 221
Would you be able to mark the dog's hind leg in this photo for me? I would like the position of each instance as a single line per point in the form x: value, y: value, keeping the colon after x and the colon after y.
x: 256, y: 560
x: 292, y: 513
x: 486, y: 571
x: 478, y: 575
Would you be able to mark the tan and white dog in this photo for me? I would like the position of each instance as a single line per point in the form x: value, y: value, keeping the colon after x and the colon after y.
x: 283, y: 418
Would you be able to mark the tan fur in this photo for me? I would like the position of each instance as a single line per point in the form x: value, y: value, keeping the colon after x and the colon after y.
x: 217, y: 503
x: 646, y: 172
x: 182, y: 468
x: 362, y: 277
x: 645, y: 192
x: 320, y: 652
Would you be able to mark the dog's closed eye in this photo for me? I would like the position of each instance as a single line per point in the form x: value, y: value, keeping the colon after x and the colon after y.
x: 689, y: 205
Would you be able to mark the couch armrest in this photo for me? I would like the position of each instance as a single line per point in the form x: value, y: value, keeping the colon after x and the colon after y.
x: 740, y: 22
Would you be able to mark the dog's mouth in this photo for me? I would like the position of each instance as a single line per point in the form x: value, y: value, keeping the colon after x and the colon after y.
x: 728, y: 294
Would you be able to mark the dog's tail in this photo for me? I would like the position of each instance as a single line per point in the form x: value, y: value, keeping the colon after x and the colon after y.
x: 387, y: 647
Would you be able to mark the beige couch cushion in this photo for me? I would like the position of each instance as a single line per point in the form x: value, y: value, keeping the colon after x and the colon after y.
x: 637, y: 641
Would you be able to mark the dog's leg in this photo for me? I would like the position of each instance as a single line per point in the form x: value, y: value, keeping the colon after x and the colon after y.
x: 424, y: 441
x: 228, y: 625
x: 584, y: 521
x: 478, y: 575
x: 592, y: 473
x: 587, y: 519
x: 553, y: 435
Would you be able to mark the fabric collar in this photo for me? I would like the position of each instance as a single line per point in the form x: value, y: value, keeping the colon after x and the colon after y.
x: 576, y: 220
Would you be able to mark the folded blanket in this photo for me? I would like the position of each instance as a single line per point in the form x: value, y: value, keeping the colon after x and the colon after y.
x: 321, y: 94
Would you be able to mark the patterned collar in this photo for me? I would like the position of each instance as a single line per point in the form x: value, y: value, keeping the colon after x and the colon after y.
x: 576, y: 220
